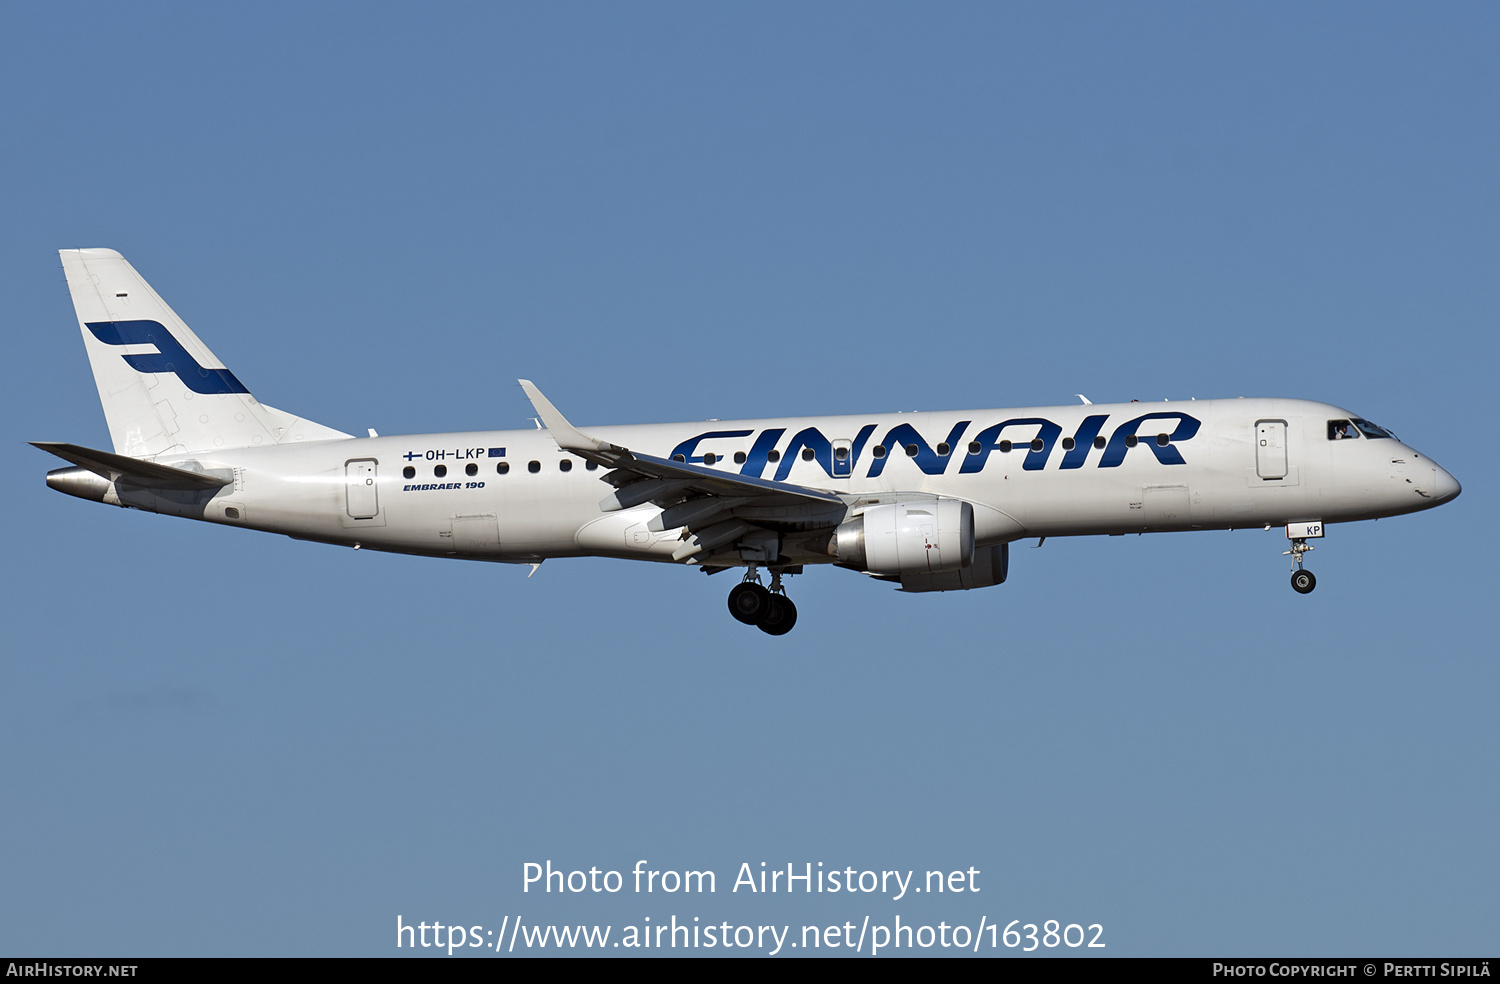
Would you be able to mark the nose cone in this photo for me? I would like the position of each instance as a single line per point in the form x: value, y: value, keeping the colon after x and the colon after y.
x: 1447, y: 486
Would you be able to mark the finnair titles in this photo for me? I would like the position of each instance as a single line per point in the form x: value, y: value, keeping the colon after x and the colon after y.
x: 928, y: 501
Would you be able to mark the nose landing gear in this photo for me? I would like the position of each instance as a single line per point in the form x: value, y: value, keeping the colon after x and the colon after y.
x: 768, y: 609
x: 1302, y: 581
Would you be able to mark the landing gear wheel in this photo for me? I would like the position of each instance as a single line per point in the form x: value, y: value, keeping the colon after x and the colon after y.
x: 780, y: 616
x: 749, y: 602
x: 1303, y: 582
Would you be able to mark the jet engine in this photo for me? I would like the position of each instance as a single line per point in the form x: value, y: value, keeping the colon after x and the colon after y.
x: 925, y: 536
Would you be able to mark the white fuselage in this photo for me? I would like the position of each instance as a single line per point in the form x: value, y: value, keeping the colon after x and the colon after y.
x: 515, y: 496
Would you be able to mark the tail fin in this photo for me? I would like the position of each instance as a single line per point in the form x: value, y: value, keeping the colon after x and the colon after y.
x: 163, y: 391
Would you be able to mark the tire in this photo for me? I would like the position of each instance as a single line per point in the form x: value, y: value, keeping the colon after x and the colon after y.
x: 748, y: 602
x: 780, y: 616
x: 1303, y: 582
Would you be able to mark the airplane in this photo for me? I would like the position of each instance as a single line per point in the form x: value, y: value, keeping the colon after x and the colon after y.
x: 927, y: 501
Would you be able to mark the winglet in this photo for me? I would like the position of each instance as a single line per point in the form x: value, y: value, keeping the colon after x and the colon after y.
x: 568, y: 437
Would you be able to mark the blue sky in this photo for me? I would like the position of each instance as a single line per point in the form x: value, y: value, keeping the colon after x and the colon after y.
x: 222, y: 742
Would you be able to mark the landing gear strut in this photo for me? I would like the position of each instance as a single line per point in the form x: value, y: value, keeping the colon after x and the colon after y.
x: 769, y: 609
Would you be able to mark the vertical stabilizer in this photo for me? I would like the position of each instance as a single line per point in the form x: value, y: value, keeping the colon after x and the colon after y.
x: 163, y: 391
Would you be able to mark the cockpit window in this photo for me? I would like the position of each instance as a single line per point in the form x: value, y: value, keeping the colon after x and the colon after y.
x: 1371, y: 430
x: 1342, y: 430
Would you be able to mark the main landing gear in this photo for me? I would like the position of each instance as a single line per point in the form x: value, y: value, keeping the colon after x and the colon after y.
x: 769, y: 609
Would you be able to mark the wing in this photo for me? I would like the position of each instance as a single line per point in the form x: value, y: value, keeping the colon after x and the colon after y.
x: 716, y: 508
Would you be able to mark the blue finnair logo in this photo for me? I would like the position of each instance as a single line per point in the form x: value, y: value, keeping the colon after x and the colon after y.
x: 169, y: 356
x: 1159, y: 433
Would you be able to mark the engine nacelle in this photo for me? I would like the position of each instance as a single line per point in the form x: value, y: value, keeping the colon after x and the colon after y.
x: 927, y: 536
x: 989, y: 569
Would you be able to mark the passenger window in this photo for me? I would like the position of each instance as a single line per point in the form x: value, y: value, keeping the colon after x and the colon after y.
x: 1099, y: 442
x: 808, y: 454
x: 975, y: 447
x: 441, y: 471
x: 502, y: 468
x: 408, y: 472
x: 1131, y: 440
x: 1067, y: 444
x: 1005, y: 447
x: 533, y: 466
x: 739, y: 457
x: 565, y: 465
x: 471, y: 469
x: 592, y: 466
x: 1161, y: 440
x: 773, y: 456
x: 911, y: 450
x: 1036, y: 444
x: 710, y: 458
x: 878, y: 450
x: 841, y: 453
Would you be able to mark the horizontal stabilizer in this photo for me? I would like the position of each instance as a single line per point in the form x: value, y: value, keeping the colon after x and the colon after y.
x: 144, y: 473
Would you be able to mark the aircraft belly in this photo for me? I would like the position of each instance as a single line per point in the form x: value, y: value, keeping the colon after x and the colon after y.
x: 625, y: 534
